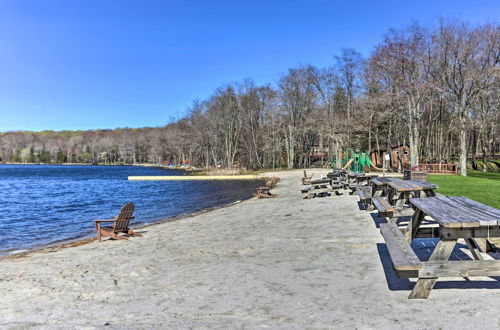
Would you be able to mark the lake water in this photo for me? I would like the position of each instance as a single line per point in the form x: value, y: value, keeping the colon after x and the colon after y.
x: 43, y: 204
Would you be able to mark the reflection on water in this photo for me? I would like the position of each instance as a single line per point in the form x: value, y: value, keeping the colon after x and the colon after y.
x: 42, y: 204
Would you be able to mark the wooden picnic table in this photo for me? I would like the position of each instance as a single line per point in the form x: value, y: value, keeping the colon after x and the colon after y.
x: 362, y: 175
x: 351, y: 182
x: 400, y: 191
x: 359, y: 179
x: 366, y: 177
x: 457, y: 217
x: 379, y: 185
x: 351, y: 177
x: 321, y: 187
x: 335, y: 174
x: 395, y: 204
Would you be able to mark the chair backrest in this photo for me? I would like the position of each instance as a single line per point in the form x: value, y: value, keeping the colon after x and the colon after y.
x: 122, y: 221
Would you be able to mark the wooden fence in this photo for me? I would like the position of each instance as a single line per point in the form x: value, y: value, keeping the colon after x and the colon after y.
x: 440, y: 168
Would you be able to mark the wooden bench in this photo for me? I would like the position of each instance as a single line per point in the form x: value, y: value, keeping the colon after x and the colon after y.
x: 264, y: 192
x: 365, y: 196
x: 383, y: 207
x: 404, y: 260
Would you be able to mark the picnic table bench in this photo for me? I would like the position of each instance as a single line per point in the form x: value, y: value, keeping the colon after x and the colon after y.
x: 458, y: 218
x: 385, y: 210
x: 365, y: 196
x: 377, y: 188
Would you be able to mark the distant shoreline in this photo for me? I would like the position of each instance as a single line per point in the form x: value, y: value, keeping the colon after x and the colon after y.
x: 86, y: 164
x: 180, y: 168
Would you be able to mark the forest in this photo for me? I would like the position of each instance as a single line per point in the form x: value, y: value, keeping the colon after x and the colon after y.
x: 434, y: 89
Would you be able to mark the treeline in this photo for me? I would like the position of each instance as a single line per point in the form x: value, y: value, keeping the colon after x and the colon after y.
x: 434, y: 89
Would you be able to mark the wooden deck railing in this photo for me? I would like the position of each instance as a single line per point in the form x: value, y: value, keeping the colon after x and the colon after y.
x: 440, y: 168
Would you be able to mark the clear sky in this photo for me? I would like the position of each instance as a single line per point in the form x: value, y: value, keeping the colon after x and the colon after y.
x: 86, y: 64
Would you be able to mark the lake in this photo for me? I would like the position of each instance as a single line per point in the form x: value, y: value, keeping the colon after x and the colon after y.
x: 44, y: 204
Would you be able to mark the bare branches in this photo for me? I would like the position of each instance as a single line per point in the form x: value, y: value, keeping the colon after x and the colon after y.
x: 437, y: 90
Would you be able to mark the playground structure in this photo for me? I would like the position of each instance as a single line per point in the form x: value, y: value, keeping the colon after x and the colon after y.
x: 356, y: 161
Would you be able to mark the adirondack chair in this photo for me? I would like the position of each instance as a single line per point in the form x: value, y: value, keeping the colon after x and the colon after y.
x: 120, y: 224
x: 306, y: 179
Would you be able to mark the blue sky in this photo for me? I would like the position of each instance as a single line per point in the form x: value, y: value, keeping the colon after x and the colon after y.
x: 87, y: 64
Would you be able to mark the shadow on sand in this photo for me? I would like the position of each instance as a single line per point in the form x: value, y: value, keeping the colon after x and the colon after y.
x: 423, y: 247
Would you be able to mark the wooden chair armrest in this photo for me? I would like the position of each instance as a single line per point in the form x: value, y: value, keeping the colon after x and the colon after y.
x: 104, y: 220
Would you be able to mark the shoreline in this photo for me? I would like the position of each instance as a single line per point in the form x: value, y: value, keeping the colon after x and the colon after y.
x: 72, y: 242
x: 27, y: 247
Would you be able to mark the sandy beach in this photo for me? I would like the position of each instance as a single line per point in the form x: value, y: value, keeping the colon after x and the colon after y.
x: 281, y: 263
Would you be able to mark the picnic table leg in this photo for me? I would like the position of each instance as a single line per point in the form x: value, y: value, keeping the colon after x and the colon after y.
x: 474, y: 248
x: 390, y: 196
x: 429, y: 193
x: 423, y: 287
x: 413, y: 225
x: 484, y: 244
x: 400, y: 202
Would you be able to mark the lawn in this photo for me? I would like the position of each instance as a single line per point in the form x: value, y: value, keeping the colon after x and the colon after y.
x: 479, y: 186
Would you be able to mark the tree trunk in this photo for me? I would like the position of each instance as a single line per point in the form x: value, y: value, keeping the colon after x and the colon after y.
x: 290, y: 145
x: 463, y: 142
x: 414, y: 133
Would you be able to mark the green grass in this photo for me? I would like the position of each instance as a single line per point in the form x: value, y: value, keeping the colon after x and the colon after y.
x: 479, y: 186
x: 487, y: 175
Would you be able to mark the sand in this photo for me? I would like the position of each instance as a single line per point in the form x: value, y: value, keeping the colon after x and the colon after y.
x: 281, y: 263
